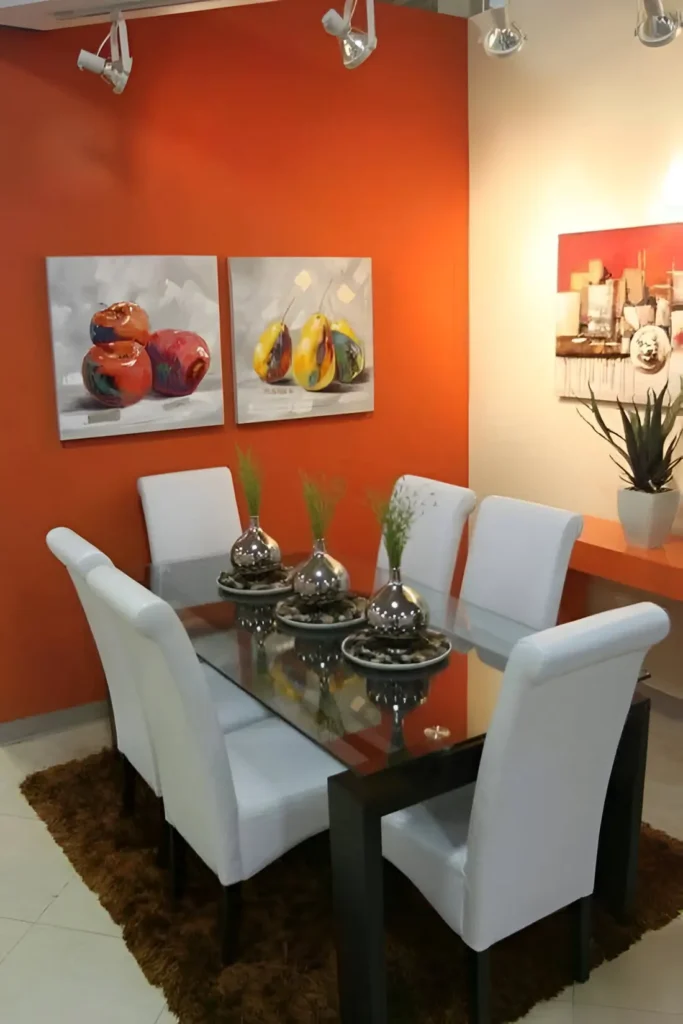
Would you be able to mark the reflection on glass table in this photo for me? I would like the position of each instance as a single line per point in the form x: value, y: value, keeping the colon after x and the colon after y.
x: 369, y: 720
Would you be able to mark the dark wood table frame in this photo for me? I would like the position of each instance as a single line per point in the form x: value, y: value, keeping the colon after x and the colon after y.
x: 357, y: 804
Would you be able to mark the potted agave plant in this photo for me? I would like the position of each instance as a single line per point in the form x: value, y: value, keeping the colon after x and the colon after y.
x: 397, y: 610
x: 321, y: 578
x: 645, y: 450
x: 254, y: 552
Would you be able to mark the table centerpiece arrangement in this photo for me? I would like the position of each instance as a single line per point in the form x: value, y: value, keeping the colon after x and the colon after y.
x: 322, y: 598
x: 397, y: 636
x: 257, y: 568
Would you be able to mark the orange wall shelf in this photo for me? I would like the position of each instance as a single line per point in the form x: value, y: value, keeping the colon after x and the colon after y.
x: 602, y: 551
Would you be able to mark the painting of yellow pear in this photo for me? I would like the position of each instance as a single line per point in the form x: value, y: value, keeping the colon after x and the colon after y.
x: 301, y: 337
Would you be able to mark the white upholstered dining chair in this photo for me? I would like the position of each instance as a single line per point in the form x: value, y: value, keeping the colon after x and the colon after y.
x: 240, y: 800
x: 432, y: 549
x: 234, y: 708
x: 518, y: 560
x: 79, y: 556
x: 190, y: 514
x: 522, y: 841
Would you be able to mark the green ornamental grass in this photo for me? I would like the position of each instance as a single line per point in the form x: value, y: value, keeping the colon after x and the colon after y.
x: 250, y: 476
x: 321, y: 498
x: 396, y: 516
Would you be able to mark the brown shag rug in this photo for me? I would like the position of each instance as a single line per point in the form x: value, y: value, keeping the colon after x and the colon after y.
x: 287, y: 973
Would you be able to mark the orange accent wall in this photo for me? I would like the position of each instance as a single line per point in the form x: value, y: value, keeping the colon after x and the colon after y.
x: 240, y: 134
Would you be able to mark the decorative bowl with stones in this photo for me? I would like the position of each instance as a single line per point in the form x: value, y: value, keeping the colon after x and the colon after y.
x: 344, y: 613
x: 370, y: 651
x: 241, y: 583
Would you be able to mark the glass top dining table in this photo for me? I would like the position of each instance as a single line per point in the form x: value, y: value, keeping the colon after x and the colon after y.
x: 402, y: 736
x: 368, y: 720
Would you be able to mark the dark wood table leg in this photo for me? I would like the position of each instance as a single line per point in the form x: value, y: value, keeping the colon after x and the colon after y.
x: 357, y: 804
x: 356, y: 843
x: 479, y: 978
x: 617, y: 867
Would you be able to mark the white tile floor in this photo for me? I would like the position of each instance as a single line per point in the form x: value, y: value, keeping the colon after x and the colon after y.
x: 62, y: 958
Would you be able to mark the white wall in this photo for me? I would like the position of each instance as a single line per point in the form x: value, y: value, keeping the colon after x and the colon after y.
x: 578, y: 132
x: 581, y: 131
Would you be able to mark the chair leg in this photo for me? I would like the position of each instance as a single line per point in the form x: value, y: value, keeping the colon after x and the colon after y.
x: 480, y: 986
x: 229, y: 920
x: 128, y: 788
x: 582, y: 910
x: 178, y: 857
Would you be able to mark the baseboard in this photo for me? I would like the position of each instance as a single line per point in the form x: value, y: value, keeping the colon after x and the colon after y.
x: 54, y: 721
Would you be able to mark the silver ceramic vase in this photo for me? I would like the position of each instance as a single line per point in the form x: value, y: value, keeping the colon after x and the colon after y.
x: 254, y: 551
x: 397, y: 611
x: 321, y: 579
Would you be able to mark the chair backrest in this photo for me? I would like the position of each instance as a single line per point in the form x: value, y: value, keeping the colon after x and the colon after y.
x: 547, y: 759
x: 518, y: 559
x: 132, y: 737
x: 196, y: 781
x: 190, y: 514
x: 432, y: 547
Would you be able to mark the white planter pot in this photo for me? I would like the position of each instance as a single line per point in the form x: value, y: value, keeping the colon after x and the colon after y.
x: 647, y: 518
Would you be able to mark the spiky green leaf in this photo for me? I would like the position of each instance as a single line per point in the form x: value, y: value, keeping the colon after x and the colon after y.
x: 675, y: 408
x: 637, y: 455
x: 648, y: 413
x: 648, y: 450
x: 655, y: 444
x: 594, y: 408
x: 604, y: 437
x: 636, y: 424
x: 625, y: 475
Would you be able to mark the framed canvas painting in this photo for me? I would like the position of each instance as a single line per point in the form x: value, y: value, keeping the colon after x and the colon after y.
x: 136, y: 343
x: 619, y: 313
x: 302, y: 337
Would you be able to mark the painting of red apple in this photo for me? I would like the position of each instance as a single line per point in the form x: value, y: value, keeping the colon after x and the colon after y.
x: 118, y: 374
x: 122, y: 321
x: 136, y: 343
x: 180, y: 361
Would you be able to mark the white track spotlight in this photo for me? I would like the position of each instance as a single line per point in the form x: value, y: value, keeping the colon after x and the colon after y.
x: 505, y: 38
x: 115, y: 69
x: 356, y: 45
x: 656, y: 27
